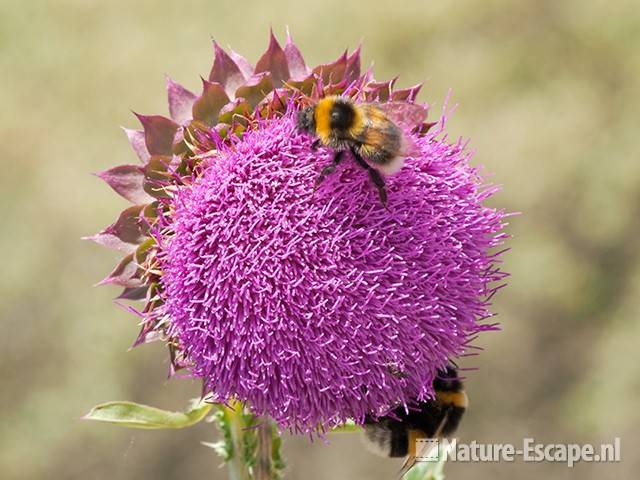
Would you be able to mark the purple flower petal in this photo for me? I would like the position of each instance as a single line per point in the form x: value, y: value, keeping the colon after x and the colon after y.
x: 406, y: 94
x: 256, y: 88
x: 127, y: 181
x: 379, y: 91
x: 207, y: 107
x: 242, y: 63
x: 352, y: 70
x: 159, y: 133
x: 158, y: 173
x: 333, y: 72
x: 134, y: 293
x: 180, y: 101
x: 227, y: 72
x: 239, y: 106
x: 124, y: 274
x: 274, y: 61
x: 297, y: 68
x: 126, y: 233
x: 136, y: 139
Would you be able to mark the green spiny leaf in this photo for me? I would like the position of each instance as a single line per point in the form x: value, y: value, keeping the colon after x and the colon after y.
x: 278, y: 463
x: 348, y: 427
x: 134, y: 415
x: 222, y: 448
x: 249, y: 438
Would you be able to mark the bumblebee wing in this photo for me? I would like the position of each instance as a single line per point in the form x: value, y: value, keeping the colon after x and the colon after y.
x: 406, y: 115
x: 409, y: 147
x: 406, y: 466
x: 412, y: 459
x: 443, y: 422
x: 384, y: 142
x: 382, y: 153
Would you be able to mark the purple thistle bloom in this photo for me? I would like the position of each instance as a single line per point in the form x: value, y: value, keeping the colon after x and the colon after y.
x: 301, y: 305
x: 304, y: 306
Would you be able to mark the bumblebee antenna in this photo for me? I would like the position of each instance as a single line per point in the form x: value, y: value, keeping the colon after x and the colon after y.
x: 438, y: 432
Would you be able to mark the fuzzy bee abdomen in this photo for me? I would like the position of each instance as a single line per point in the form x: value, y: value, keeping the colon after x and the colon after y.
x: 386, y: 439
x: 381, y: 146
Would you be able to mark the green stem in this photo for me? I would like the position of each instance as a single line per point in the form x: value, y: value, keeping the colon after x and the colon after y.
x: 251, y: 445
x: 263, y: 468
x: 238, y: 469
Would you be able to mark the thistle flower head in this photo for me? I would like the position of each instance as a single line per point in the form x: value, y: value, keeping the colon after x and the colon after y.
x: 305, y: 306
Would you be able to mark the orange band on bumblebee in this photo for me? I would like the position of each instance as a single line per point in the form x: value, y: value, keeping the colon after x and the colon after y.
x: 414, y: 436
x: 457, y: 399
x: 322, y: 116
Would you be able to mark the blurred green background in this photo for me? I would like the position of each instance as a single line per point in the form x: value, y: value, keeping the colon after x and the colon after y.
x: 549, y: 95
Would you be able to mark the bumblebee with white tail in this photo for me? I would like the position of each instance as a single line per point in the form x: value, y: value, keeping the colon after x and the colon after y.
x: 397, y: 434
x: 367, y: 130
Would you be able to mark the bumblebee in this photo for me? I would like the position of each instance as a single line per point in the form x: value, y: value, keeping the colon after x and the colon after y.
x: 366, y: 130
x: 395, y: 434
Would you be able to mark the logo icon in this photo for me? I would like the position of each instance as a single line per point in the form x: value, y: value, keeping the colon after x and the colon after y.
x: 427, y: 450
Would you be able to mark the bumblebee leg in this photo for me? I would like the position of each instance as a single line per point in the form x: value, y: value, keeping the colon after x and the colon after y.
x: 374, y: 175
x: 314, y: 145
x: 329, y: 169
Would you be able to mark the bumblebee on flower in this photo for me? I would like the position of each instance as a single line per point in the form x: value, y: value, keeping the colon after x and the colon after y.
x: 377, y: 144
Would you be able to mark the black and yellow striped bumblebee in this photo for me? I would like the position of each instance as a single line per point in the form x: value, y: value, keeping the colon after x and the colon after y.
x: 396, y: 434
x: 371, y: 132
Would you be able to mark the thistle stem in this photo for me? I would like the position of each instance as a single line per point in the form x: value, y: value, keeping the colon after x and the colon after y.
x: 238, y: 469
x: 263, y: 468
x: 252, y: 444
